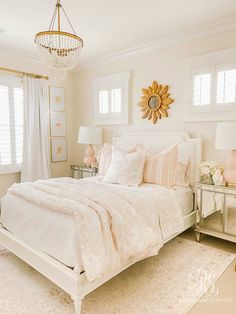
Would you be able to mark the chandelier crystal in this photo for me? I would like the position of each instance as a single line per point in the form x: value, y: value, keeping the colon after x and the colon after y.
x: 60, y: 50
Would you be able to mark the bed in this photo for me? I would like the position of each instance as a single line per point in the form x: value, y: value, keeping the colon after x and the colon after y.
x: 20, y: 234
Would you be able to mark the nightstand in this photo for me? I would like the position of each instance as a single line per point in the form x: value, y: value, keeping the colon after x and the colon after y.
x: 216, y: 211
x: 81, y: 172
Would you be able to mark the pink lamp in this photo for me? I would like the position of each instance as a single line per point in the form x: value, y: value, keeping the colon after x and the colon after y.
x: 226, y: 140
x: 90, y: 135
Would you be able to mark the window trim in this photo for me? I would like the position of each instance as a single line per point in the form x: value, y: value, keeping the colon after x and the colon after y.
x: 109, y: 82
x: 213, y: 106
x: 5, y: 169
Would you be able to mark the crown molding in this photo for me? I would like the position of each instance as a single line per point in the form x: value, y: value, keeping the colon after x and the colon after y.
x: 176, y: 39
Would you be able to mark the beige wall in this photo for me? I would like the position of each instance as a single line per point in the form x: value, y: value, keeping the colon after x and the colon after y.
x: 166, y: 66
x: 60, y: 168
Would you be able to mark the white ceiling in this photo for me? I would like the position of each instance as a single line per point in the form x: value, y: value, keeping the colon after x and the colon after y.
x: 107, y: 26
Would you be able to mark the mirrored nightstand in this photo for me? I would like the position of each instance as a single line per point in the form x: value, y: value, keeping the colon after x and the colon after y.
x: 216, y: 212
x: 81, y: 172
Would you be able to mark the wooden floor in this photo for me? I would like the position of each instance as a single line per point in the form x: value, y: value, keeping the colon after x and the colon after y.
x: 225, y: 301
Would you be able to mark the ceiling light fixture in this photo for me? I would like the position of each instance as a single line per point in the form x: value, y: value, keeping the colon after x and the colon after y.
x: 59, y: 49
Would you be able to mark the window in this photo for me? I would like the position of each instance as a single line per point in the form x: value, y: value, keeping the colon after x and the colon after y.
x: 214, y: 89
x: 103, y: 101
x: 111, y: 99
x: 202, y: 89
x: 226, y: 83
x: 11, y: 124
x: 116, y: 100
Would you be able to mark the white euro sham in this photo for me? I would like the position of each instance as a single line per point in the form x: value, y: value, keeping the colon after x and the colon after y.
x: 125, y: 168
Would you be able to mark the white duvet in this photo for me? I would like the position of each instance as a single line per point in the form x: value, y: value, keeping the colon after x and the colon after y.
x: 116, y: 225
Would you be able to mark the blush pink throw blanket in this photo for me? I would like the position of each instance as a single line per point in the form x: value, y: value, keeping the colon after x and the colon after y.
x: 117, y: 225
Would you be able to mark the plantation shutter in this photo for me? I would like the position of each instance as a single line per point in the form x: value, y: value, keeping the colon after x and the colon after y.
x: 11, y: 124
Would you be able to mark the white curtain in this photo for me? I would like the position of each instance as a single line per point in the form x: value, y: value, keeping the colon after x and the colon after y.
x: 36, y: 150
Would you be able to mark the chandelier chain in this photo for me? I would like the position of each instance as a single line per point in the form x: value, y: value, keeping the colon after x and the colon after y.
x: 53, y: 19
x: 68, y: 20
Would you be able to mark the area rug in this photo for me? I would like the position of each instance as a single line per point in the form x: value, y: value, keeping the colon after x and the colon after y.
x: 171, y: 282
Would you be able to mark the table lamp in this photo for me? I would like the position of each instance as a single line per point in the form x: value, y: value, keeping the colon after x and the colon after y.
x: 226, y: 140
x: 91, y: 136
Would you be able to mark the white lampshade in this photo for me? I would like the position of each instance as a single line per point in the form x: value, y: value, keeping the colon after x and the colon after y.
x: 90, y: 135
x: 226, y: 136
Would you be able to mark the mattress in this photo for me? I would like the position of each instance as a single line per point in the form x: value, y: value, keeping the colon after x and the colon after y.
x: 56, y: 234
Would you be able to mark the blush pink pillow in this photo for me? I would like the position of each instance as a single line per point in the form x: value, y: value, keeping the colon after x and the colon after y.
x: 161, y: 168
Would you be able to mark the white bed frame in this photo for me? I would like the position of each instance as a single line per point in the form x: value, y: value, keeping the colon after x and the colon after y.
x: 72, y: 281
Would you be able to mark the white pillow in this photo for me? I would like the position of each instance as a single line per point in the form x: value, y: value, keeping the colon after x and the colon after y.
x: 125, y: 168
x: 105, y: 155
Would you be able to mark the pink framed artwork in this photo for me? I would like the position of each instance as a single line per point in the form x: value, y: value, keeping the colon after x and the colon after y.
x: 58, y: 123
x: 57, y: 98
x: 58, y: 150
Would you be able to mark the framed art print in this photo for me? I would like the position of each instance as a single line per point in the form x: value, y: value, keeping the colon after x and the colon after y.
x: 57, y: 98
x: 59, y: 150
x: 58, y: 123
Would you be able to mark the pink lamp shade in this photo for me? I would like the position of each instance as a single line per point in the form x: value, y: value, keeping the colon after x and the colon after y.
x: 90, y: 135
x: 226, y: 140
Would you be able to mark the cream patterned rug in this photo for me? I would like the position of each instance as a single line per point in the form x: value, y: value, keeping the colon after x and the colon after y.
x: 171, y: 282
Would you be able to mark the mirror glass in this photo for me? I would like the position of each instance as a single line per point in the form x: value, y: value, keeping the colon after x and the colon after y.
x: 154, y: 102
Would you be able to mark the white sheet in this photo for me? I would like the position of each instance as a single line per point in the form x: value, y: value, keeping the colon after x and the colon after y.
x: 54, y: 233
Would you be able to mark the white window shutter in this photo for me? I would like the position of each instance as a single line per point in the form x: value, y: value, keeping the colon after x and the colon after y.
x: 226, y: 86
x: 202, y: 89
x: 116, y: 100
x: 11, y: 124
x: 5, y: 136
x: 103, y: 101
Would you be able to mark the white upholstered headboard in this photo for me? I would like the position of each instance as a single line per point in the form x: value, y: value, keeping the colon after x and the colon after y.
x: 158, y: 141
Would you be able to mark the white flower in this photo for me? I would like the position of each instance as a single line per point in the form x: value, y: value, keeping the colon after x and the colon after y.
x: 209, y: 168
x: 205, y: 170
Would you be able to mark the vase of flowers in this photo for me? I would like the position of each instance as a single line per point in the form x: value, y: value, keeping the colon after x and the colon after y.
x: 211, y: 173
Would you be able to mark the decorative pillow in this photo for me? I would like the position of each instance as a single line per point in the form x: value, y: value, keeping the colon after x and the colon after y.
x: 105, y: 155
x: 182, y: 173
x: 161, y: 168
x: 137, y: 148
x: 104, y: 159
x: 125, y: 168
x: 186, y: 152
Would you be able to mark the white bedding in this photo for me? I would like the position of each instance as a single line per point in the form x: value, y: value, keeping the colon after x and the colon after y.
x: 55, y: 233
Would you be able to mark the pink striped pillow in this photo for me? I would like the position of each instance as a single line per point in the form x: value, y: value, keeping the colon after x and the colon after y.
x: 161, y: 168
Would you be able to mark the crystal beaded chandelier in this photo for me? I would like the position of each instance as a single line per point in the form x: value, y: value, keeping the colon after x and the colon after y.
x: 60, y: 50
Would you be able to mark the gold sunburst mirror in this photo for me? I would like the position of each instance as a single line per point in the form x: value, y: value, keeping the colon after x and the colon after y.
x: 155, y: 101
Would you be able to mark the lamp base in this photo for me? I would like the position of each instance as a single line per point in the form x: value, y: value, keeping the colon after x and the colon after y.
x: 89, y: 156
x: 230, y: 172
x: 230, y: 177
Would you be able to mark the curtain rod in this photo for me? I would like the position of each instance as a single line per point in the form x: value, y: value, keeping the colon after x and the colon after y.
x: 25, y: 73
